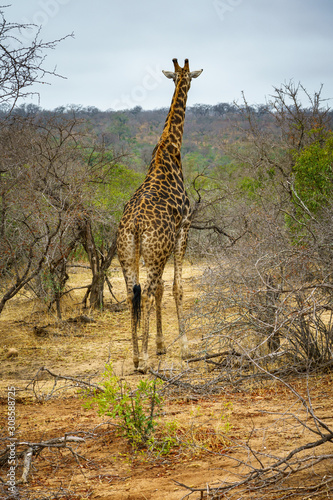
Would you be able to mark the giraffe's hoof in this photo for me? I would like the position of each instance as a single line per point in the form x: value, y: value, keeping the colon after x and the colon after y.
x: 186, y: 354
x: 142, y: 365
x: 161, y: 350
x: 142, y: 368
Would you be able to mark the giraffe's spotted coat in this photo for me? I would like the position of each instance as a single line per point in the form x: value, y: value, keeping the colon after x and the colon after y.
x: 155, y: 223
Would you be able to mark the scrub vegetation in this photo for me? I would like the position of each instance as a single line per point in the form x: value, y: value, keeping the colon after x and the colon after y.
x: 250, y: 414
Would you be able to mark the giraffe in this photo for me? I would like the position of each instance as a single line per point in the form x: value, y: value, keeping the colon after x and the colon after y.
x: 155, y: 223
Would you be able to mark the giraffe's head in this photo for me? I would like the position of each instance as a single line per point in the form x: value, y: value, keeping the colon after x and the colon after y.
x: 183, y: 73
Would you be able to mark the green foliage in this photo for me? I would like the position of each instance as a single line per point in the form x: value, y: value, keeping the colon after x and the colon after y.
x: 313, y: 175
x: 312, y: 185
x: 120, y: 183
x: 107, y: 194
x: 194, y: 162
x: 225, y: 415
x: 135, y: 410
x: 250, y: 186
x: 119, y: 125
x: 204, y: 159
x: 50, y: 286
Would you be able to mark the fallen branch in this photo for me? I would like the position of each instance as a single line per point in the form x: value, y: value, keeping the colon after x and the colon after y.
x: 31, y: 449
x: 205, y: 388
x: 216, y: 355
x: 76, y: 381
x: 265, y: 478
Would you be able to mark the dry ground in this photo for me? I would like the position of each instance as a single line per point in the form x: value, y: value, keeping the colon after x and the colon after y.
x: 220, y: 435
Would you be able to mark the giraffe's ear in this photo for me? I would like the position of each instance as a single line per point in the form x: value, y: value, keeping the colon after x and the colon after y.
x: 195, y: 74
x: 169, y: 74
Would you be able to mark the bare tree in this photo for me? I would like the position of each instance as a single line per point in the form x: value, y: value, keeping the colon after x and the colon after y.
x: 52, y: 182
x: 22, y: 64
x: 100, y: 258
x: 40, y: 206
x: 47, y: 170
x: 270, y: 292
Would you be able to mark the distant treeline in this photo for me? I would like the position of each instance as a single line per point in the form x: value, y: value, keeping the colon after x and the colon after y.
x: 135, y: 131
x: 217, y: 110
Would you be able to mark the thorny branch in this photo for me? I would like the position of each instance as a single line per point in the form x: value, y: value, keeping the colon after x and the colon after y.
x: 74, y: 382
x: 270, y: 475
x: 22, y: 65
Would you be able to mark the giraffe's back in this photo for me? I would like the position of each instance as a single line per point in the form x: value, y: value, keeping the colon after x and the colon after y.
x: 154, y: 214
x: 161, y: 200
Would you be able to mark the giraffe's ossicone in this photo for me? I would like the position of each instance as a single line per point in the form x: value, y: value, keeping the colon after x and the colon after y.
x: 155, y: 224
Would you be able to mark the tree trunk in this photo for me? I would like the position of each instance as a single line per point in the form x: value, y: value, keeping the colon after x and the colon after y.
x: 97, y: 291
x: 99, y: 264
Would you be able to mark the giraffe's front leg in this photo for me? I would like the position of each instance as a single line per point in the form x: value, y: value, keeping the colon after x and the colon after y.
x: 178, y: 296
x: 179, y: 253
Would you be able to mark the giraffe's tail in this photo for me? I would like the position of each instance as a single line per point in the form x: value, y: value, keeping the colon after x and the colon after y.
x: 136, y: 301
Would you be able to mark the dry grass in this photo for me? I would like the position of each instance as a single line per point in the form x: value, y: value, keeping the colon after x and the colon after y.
x: 76, y: 348
x: 218, y: 436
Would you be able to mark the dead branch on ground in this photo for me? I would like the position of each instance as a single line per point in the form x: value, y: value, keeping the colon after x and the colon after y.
x: 268, y: 473
x: 26, y: 450
x: 73, y: 382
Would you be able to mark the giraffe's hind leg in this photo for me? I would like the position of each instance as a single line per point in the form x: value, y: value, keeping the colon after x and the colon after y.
x: 134, y: 301
x: 134, y: 305
x: 128, y: 258
x: 152, y: 289
x: 155, y: 250
x: 160, y: 347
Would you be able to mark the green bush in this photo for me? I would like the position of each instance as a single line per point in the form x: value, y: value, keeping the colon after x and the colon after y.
x: 134, y: 410
x: 137, y: 413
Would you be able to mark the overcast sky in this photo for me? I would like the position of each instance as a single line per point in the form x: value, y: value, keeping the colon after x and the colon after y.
x: 120, y: 47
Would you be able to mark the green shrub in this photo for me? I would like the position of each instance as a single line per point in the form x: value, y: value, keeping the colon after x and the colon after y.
x: 134, y: 410
x: 137, y: 413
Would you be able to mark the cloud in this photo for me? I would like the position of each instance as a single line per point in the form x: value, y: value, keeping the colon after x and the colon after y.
x: 249, y: 45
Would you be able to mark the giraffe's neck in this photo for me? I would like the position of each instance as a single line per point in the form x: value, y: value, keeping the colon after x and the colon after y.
x: 172, y: 135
